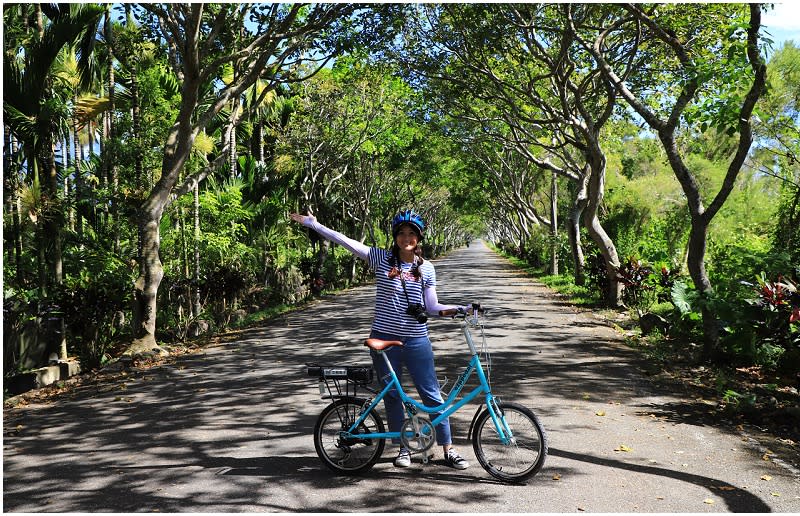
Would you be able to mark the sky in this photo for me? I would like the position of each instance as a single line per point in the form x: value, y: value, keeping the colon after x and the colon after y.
x: 783, y: 22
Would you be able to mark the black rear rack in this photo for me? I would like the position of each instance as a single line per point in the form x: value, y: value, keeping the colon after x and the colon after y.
x: 340, y: 381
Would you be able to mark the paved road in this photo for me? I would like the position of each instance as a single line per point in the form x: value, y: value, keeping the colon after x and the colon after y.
x: 229, y: 429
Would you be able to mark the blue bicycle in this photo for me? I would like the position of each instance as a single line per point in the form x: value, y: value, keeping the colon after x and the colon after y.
x: 349, y: 435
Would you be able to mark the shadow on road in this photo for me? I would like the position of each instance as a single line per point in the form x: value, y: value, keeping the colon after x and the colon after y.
x: 229, y: 429
x: 736, y: 500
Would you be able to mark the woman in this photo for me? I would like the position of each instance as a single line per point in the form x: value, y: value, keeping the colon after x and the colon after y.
x: 405, y: 290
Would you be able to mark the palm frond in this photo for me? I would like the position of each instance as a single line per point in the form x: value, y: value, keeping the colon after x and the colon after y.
x: 89, y: 108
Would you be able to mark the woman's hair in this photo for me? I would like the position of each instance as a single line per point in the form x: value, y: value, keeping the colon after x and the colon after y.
x: 418, y: 259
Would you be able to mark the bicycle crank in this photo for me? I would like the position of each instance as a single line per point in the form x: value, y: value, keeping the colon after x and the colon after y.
x: 417, y: 435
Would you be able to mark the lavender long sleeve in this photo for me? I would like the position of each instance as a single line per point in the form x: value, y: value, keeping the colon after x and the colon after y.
x: 361, y: 250
x: 354, y: 246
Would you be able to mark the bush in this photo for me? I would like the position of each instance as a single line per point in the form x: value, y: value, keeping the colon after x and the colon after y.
x: 94, y: 311
x: 763, y: 329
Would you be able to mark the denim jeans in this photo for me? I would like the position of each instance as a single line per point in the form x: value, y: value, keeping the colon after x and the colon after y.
x: 417, y: 356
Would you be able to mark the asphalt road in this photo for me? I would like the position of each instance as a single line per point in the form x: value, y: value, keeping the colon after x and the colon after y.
x: 229, y: 429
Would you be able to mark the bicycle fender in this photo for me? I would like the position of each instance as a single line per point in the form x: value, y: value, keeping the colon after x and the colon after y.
x: 474, y: 419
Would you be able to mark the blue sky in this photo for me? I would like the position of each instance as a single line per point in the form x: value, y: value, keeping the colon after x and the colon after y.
x: 783, y: 22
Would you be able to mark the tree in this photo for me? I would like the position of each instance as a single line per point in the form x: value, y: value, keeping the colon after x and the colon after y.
x: 521, y: 64
x: 34, y: 116
x: 37, y: 118
x: 778, y: 146
x: 283, y: 38
x: 715, y: 75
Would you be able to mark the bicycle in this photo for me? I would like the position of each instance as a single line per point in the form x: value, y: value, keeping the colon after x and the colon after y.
x: 349, y: 435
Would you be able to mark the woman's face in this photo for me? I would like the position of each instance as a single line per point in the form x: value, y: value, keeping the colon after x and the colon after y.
x: 406, y: 238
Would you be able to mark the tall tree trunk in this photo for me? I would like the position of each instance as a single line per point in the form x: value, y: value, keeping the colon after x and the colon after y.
x: 79, y: 186
x: 54, y: 220
x: 110, y: 155
x: 597, y: 232
x: 260, y: 143
x: 177, y: 147
x: 574, y: 228
x: 136, y: 116
x: 11, y: 175
x: 195, y: 296
x: 554, y: 224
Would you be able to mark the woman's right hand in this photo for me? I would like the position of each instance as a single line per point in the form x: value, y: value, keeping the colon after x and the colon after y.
x: 302, y: 219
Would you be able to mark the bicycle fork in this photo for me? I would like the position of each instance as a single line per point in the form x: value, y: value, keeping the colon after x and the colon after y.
x: 498, y: 418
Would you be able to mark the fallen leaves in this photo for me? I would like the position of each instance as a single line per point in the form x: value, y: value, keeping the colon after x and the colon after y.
x: 623, y: 448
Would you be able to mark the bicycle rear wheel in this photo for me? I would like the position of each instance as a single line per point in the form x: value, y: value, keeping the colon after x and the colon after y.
x: 523, y: 457
x: 347, y: 455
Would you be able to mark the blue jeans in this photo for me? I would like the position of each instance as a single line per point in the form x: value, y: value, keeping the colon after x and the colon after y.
x: 417, y: 356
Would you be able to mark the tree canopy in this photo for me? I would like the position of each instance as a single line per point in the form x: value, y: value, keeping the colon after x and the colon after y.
x: 153, y: 152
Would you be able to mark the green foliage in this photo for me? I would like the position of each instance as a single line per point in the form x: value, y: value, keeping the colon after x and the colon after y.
x: 759, y: 330
x: 359, y: 140
x: 95, y: 305
x: 740, y: 256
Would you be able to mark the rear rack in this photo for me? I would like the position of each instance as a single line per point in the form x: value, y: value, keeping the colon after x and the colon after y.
x: 342, y: 381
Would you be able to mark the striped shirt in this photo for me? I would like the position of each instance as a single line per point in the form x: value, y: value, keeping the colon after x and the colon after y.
x: 390, y: 300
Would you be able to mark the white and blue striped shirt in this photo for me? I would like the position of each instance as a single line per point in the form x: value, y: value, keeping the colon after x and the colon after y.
x: 390, y: 300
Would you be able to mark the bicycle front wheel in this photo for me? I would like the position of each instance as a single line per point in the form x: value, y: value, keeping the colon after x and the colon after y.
x: 523, y: 456
x: 348, y: 455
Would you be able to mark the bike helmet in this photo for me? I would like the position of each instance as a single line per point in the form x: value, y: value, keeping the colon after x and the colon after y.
x: 408, y: 217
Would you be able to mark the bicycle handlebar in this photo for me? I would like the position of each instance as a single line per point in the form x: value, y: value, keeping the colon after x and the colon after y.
x: 452, y: 312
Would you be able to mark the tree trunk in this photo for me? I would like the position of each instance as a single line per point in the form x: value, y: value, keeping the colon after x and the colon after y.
x: 554, y: 225
x: 146, y: 287
x: 574, y: 229
x: 110, y: 155
x: 151, y: 271
x: 138, y: 155
x: 78, y: 160
x: 11, y: 171
x: 52, y: 233
x: 196, y: 276
x: 596, y: 230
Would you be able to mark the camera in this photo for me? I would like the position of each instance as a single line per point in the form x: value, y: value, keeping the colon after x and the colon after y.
x: 417, y: 311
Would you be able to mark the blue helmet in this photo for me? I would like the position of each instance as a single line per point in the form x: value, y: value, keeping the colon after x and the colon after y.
x: 408, y: 217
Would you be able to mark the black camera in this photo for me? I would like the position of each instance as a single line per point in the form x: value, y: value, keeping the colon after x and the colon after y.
x: 417, y: 311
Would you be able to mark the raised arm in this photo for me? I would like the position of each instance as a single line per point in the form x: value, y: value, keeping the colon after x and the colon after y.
x: 354, y: 246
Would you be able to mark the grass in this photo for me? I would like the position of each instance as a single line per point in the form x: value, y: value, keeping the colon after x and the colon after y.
x: 564, y: 284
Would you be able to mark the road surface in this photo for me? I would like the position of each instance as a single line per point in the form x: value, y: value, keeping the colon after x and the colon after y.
x: 229, y: 429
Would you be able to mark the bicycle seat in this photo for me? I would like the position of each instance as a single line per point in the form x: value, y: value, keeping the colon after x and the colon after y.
x: 380, y: 345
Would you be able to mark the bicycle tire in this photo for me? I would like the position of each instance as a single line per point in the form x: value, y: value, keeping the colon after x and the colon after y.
x: 519, y: 460
x: 353, y: 457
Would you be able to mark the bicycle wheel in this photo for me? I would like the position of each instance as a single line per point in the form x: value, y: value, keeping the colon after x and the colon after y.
x: 523, y: 457
x: 351, y: 455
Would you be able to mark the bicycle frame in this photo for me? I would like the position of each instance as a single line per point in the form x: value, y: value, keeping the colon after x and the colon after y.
x: 449, y: 406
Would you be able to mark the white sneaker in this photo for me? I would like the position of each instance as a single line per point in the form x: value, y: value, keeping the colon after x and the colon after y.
x: 403, y: 459
x: 454, y: 460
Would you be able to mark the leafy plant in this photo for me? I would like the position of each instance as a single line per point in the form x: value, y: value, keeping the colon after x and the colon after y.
x: 596, y: 276
x: 634, y: 276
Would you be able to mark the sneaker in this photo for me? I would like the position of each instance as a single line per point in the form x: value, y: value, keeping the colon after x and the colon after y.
x: 454, y: 460
x: 403, y: 459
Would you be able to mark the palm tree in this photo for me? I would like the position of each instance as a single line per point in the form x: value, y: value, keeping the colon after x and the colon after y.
x: 36, y: 116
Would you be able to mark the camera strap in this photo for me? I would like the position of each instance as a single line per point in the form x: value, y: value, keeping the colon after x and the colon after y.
x: 403, y: 282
